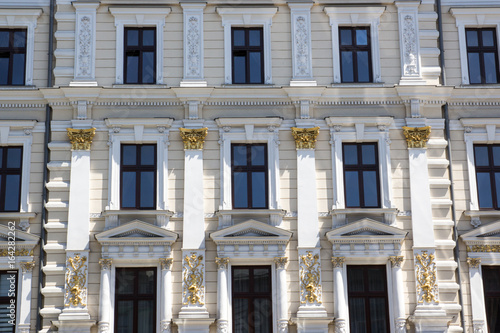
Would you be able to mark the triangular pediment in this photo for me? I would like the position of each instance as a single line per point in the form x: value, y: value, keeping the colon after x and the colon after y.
x: 25, y: 242
x: 251, y: 230
x: 134, y: 231
x: 366, y: 229
x: 488, y: 233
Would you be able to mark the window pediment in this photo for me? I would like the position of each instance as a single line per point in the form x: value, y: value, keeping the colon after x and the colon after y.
x: 488, y: 234
x: 25, y: 242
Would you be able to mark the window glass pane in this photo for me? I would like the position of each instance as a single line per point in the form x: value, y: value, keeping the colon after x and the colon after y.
x: 125, y: 280
x: 488, y: 39
x: 254, y: 37
x: 345, y: 37
x: 363, y: 66
x: 148, y: 67
x: 132, y: 69
x: 4, y: 318
x: 146, y: 316
x: 4, y: 38
x: 347, y: 67
x: 350, y: 154
x: 258, y: 155
x: 239, y: 155
x: 14, y: 157
x: 261, y: 280
x: 491, y: 279
x: 4, y: 70
x: 18, y: 68
x: 492, y: 308
x: 496, y: 155
x: 5, y: 282
x: 357, y: 315
x: 240, y: 315
x: 241, y: 280
x: 262, y: 315
x: 1, y: 157
x: 147, y: 189
x: 129, y: 155
x: 148, y: 37
x: 239, y: 37
x: 125, y: 317
x: 352, y: 184
x: 258, y: 190
x: 146, y: 281
x: 368, y: 154
x: 484, y: 190
x: 240, y: 190
x: 497, y: 187
x: 128, y: 189
x: 255, y: 67
x: 378, y: 315
x: 376, y: 279
x: 12, y: 191
x: 362, y: 37
x: 147, y: 155
x: 474, y: 68
x: 490, y: 67
x: 355, y: 279
x: 481, y: 155
x: 472, y: 39
x: 370, y: 188
x: 20, y: 39
x: 239, y: 69
x: 132, y: 37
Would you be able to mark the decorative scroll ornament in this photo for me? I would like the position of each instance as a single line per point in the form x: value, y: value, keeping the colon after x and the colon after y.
x: 338, y: 262
x: 340, y: 326
x: 166, y: 263
x: 280, y: 262
x: 400, y: 325
x: 222, y: 326
x: 301, y: 47
x: 283, y: 326
x: 16, y: 253
x: 193, y: 138
x: 193, y: 47
x: 105, y: 264
x: 410, y: 47
x: 310, y: 287
x: 81, y: 139
x: 426, y: 278
x: 417, y: 137
x: 27, y: 266
x: 221, y: 262
x: 85, y: 42
x: 396, y: 261
x: 305, y: 138
x: 192, y: 278
x: 76, y: 280
x: 483, y: 248
x: 474, y: 262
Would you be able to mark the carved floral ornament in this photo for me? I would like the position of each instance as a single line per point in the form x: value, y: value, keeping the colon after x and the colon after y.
x: 484, y: 248
x: 193, y: 138
x: 396, y: 261
x: 280, y: 262
x: 474, y: 262
x: 425, y: 266
x: 76, y: 280
x: 310, y: 287
x: 81, y: 139
x: 221, y: 262
x: 166, y: 263
x: 417, y: 137
x: 305, y: 138
x: 27, y: 266
x: 338, y: 262
x: 192, y: 278
x: 105, y: 264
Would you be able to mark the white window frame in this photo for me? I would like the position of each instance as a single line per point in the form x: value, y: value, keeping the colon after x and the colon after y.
x: 247, y: 17
x: 356, y: 17
x: 474, y: 18
x: 23, y: 18
x: 139, y: 17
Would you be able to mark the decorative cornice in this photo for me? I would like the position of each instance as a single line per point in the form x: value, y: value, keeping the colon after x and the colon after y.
x: 16, y: 253
x: 483, y: 248
x: 474, y: 262
x: 417, y: 137
x: 27, y: 266
x: 22, y: 106
x: 280, y: 262
x: 193, y: 138
x: 81, y: 139
x: 338, y: 262
x: 166, y: 263
x: 105, y: 264
x: 396, y: 261
x: 138, y: 103
x: 305, y: 138
x: 221, y: 262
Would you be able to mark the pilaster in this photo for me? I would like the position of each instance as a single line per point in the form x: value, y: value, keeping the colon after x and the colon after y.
x: 166, y: 295
x: 105, y: 295
x: 477, y: 295
x: 24, y: 292
x: 340, y: 294
x: 281, y: 282
x: 222, y: 295
x: 193, y: 45
x: 398, y: 293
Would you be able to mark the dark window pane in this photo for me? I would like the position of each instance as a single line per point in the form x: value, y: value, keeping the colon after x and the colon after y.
x: 255, y: 67
x: 18, y: 62
x: 132, y: 37
x: 345, y: 37
x: 128, y: 189
x: 378, y: 315
x: 474, y: 68
x: 368, y: 154
x: 240, y: 315
x: 376, y: 279
x: 262, y: 315
x: 490, y: 67
x: 147, y: 155
x: 258, y: 155
x: 148, y: 37
x: 259, y: 190
x: 484, y: 190
x: 262, y: 280
x: 146, y: 282
x: 491, y: 283
x: 239, y: 69
x: 492, y: 306
x: 254, y: 37
x: 363, y: 66
x: 14, y: 156
x: 481, y: 155
x: 357, y: 315
x: 362, y: 37
x: 355, y: 279
x: 4, y: 38
x: 132, y: 69
x: 4, y: 70
x: 125, y: 317
x: 146, y: 316
x: 488, y: 38
x: 350, y: 154
x: 1, y: 157
x: 497, y: 187
x: 241, y: 280
x: 472, y: 39
x: 12, y: 188
x: 240, y: 187
x: 496, y: 155
x: 129, y: 155
x: 20, y: 39
x: 347, y: 67
x: 239, y: 155
x: 352, y: 189
x: 5, y: 284
x: 370, y: 188
x: 125, y: 281
x: 147, y: 189
x: 239, y: 37
x: 148, y: 62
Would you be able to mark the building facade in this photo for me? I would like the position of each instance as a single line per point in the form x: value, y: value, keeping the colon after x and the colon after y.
x: 250, y: 166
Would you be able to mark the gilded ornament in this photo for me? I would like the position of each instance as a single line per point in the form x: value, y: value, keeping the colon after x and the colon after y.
x: 81, y: 139
x: 76, y: 279
x: 396, y: 261
x: 194, y: 291
x: 474, y: 262
x: 310, y: 287
x: 27, y: 266
x: 16, y: 253
x: 221, y: 262
x: 426, y: 277
x: 280, y: 262
x: 338, y: 262
x: 193, y: 138
x: 166, y: 263
x: 417, y: 137
x: 483, y: 248
x: 305, y: 138
x: 105, y: 263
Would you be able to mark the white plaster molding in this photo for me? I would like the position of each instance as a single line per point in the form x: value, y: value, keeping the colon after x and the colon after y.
x: 473, y: 17
x: 139, y: 17
x: 193, y: 45
x: 23, y: 18
x: 247, y: 17
x: 229, y: 217
x: 356, y: 16
x: 300, y: 16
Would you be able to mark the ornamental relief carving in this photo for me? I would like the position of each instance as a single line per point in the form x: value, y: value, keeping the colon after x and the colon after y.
x: 27, y: 266
x: 396, y: 261
x: 166, y: 263
x: 193, y: 280
x: 221, y: 262
x: 76, y: 281
x: 280, y: 262
x: 305, y: 138
x: 84, y: 57
x: 81, y: 139
x: 193, y: 47
x: 193, y: 138
x: 301, y: 47
x: 426, y: 276
x: 105, y: 264
x: 410, y: 46
x: 474, y: 262
x: 417, y: 137
x: 483, y: 248
x: 310, y: 279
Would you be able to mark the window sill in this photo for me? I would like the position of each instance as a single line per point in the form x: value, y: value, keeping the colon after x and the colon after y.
x: 479, y: 86
x: 476, y: 215
x: 139, y: 86
x: 23, y: 218
x: 231, y: 217
x: 346, y: 215
x: 362, y: 85
x: 249, y: 86
x: 114, y: 218
x: 18, y: 88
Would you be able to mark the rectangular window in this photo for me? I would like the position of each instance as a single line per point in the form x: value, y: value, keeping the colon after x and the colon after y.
x: 249, y: 175
x: 8, y: 292
x: 252, y: 299
x: 138, y: 176
x: 355, y: 54
x: 248, y: 55
x: 11, y: 162
x: 482, y: 55
x: 368, y: 301
x: 140, y: 55
x: 487, y: 160
x: 12, y: 56
x: 361, y: 178
x: 491, y: 284
x: 135, y: 300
